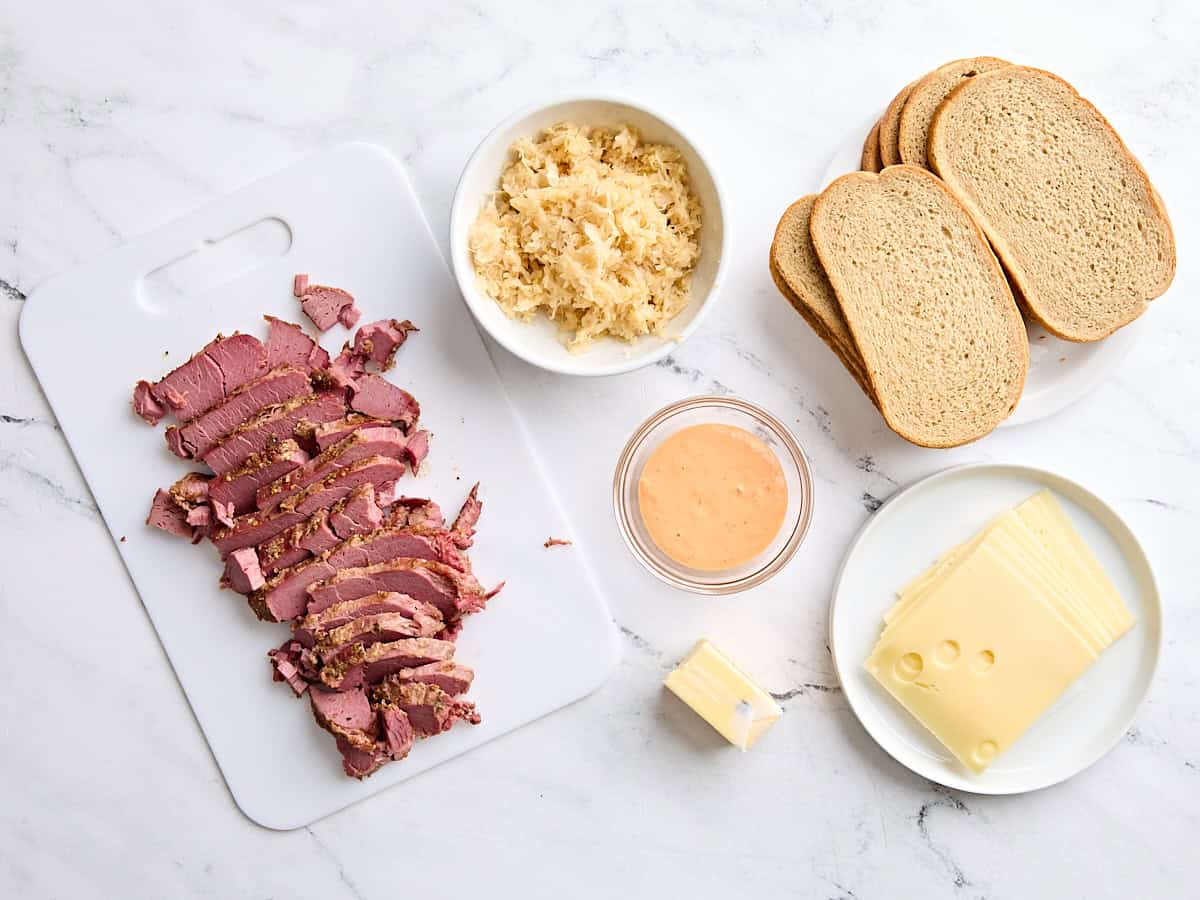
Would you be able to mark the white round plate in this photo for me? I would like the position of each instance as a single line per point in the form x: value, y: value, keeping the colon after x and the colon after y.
x: 1060, y: 372
x: 902, y: 540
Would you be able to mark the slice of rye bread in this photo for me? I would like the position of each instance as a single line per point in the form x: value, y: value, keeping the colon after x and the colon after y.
x: 1081, y: 232
x: 871, y: 161
x: 889, y: 127
x: 797, y: 273
x: 940, y: 335
x: 927, y: 95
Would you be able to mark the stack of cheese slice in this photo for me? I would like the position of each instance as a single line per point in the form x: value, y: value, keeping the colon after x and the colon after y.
x: 985, y: 641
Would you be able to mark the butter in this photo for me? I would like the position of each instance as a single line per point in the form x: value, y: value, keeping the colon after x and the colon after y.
x: 723, y: 695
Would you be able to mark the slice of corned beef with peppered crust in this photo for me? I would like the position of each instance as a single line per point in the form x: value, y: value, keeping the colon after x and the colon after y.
x: 356, y: 513
x: 285, y: 597
x: 288, y: 345
x: 256, y: 528
x: 345, y: 369
x: 453, y: 592
x: 329, y: 433
x: 463, y: 529
x: 325, y: 306
x: 191, y: 490
x: 430, y: 710
x: 364, y: 631
x: 378, y: 661
x: 396, y: 732
x: 315, y: 627
x: 237, y: 490
x: 379, y: 341
x: 343, y: 709
x: 168, y: 515
x: 365, y: 442
x: 378, y: 397
x: 197, y: 437
x: 145, y: 405
x: 242, y: 571
x: 416, y: 449
x: 450, y: 676
x: 414, y: 511
x: 208, y: 378
x: 275, y: 422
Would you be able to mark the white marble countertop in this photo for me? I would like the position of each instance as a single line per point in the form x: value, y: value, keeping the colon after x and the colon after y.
x: 113, y: 122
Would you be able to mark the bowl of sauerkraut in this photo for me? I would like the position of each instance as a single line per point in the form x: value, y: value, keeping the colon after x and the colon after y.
x: 588, y: 236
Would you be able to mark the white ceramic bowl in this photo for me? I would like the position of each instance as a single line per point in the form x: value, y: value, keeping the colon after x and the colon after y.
x: 539, y: 341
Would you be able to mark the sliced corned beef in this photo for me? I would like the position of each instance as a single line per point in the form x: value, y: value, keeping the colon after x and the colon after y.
x: 237, y: 490
x: 463, y: 529
x: 430, y: 710
x: 168, y: 515
x: 453, y: 592
x: 349, y: 315
x: 191, y: 490
x: 287, y: 344
x: 209, y: 377
x: 276, y: 422
x: 367, y: 630
x: 329, y: 433
x: 356, y: 513
x: 378, y: 397
x: 413, y: 511
x: 200, y: 516
x: 299, y: 285
x: 193, y: 440
x: 416, y: 449
x: 451, y: 677
x: 396, y: 732
x: 242, y: 571
x: 284, y: 596
x: 314, y: 627
x: 145, y: 405
x: 324, y: 305
x: 285, y: 665
x: 379, y: 341
x: 346, y: 369
x: 343, y: 709
x: 358, y: 445
x: 378, y: 661
x: 257, y: 528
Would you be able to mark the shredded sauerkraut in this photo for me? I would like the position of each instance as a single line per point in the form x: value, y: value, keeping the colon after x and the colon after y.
x: 592, y: 227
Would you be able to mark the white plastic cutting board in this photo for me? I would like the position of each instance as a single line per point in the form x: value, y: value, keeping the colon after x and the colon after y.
x: 354, y: 223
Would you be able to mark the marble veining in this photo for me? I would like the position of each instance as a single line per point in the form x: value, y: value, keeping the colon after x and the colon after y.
x: 117, y: 119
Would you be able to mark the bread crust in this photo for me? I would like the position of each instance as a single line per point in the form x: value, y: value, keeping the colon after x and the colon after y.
x: 889, y: 127
x: 1003, y: 249
x: 911, y: 129
x: 1017, y: 337
x: 871, y: 161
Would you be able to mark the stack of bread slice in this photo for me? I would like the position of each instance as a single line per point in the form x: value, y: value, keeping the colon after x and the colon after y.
x: 988, y: 190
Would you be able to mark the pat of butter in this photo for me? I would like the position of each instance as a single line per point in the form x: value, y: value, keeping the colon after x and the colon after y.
x: 723, y: 695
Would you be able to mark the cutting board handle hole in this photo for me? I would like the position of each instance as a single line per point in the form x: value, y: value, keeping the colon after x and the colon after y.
x: 214, y: 263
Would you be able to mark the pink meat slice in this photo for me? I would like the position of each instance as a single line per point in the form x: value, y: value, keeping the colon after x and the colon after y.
x: 346, y: 369
x: 329, y: 433
x: 256, y: 528
x: 145, y: 405
x: 314, y: 627
x: 299, y: 285
x: 273, y: 423
x: 343, y: 709
x: 324, y: 305
x: 242, y: 571
x: 237, y: 489
x: 365, y: 442
x: 209, y: 377
x: 379, y: 341
x: 288, y: 345
x: 451, y: 677
x: 381, y: 660
x: 413, y: 511
x: 367, y: 630
x: 453, y: 592
x: 354, y: 514
x: 430, y: 710
x: 168, y: 515
x: 349, y: 315
x: 285, y: 595
x: 397, y: 731
x: 193, y: 440
x: 378, y: 397
x: 416, y: 449
x: 463, y: 529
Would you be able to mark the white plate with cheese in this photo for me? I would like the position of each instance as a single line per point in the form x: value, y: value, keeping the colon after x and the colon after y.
x: 1060, y: 372
x: 903, y: 540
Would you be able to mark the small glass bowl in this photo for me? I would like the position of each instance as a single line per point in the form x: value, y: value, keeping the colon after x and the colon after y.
x: 704, y: 411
